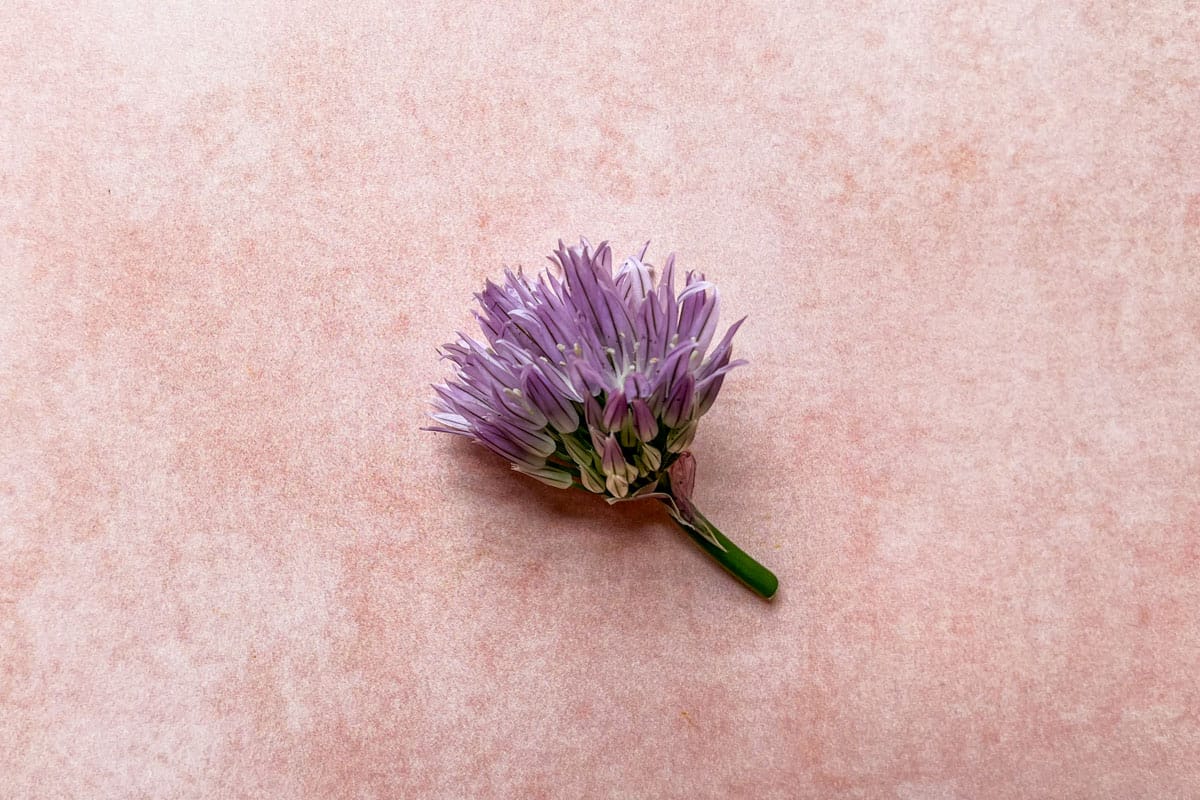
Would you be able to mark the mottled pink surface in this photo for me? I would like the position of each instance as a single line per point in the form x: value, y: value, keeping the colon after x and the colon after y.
x: 967, y: 237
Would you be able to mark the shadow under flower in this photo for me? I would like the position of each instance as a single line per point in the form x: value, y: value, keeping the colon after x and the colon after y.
x: 488, y: 479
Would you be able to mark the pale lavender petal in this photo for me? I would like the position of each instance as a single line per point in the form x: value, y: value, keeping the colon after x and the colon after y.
x: 452, y: 421
x: 634, y: 282
x: 729, y: 367
x: 706, y: 393
x: 455, y: 431
x: 592, y: 412
x: 612, y: 460
x: 597, y: 436
x: 698, y: 313
x: 558, y: 409
x: 667, y: 301
x: 644, y: 422
x: 585, y: 291
x: 523, y: 412
x: 531, y: 441
x: 498, y: 442
x: 675, y: 365
x: 558, y: 380
x: 488, y: 363
x: 691, y: 300
x: 656, y: 398
x: 615, y: 410
x: 534, y: 331
x: 558, y: 478
x: 651, y: 327
x: 720, y: 354
x: 678, y: 407
x: 585, y: 377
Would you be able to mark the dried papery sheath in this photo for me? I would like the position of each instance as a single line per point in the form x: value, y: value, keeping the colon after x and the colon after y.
x: 596, y: 379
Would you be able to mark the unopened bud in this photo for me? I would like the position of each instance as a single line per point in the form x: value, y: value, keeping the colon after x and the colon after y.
x: 680, y: 439
x: 651, y: 458
x: 591, y: 482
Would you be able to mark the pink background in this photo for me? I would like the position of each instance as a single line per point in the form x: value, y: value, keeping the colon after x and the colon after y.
x: 967, y: 236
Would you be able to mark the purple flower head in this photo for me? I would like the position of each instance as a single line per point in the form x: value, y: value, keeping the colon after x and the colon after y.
x: 588, y: 377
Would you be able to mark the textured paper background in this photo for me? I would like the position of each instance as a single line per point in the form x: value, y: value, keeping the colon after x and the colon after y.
x: 966, y: 234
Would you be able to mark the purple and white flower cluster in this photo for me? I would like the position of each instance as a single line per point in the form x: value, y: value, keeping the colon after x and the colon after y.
x: 589, y: 378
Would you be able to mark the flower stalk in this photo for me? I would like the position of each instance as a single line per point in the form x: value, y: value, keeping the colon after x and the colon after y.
x: 676, y: 495
x: 736, y: 562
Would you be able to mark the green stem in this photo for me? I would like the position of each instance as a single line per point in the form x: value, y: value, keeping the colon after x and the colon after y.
x: 754, y: 575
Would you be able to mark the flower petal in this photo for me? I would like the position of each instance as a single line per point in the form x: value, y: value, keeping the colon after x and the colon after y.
x: 556, y: 408
x: 615, y: 411
x: 644, y: 422
x: 678, y: 407
x: 559, y: 479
